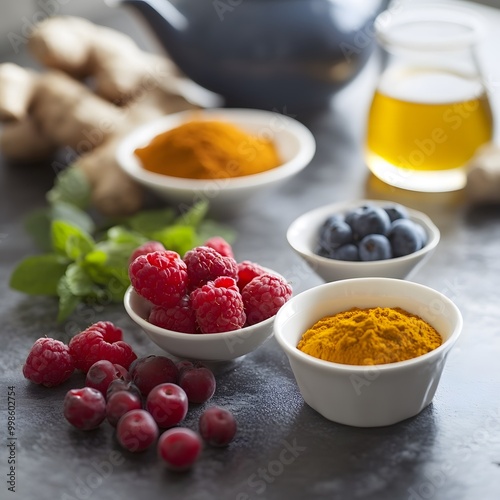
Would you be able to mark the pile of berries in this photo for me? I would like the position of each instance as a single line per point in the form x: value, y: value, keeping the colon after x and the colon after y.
x: 206, y: 291
x: 370, y: 233
x: 138, y: 396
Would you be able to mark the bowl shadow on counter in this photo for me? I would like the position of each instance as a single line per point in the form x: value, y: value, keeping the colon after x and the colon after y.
x: 365, y: 461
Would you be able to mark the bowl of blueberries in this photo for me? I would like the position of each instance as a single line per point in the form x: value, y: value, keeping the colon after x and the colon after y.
x: 363, y: 238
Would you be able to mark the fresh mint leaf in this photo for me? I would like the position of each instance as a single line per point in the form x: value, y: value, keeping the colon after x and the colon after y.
x: 193, y: 215
x: 79, y: 282
x: 70, y: 240
x: 180, y: 239
x: 120, y: 234
x: 39, y: 275
x: 71, y: 186
x: 37, y: 224
x: 73, y: 215
x: 107, y: 265
x: 149, y: 221
x: 67, y: 300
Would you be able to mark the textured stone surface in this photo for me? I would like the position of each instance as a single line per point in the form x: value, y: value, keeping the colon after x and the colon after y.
x: 451, y: 451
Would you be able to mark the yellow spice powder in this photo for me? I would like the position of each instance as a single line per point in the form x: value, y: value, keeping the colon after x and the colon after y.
x: 370, y: 336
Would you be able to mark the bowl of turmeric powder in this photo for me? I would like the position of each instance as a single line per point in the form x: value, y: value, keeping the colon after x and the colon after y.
x: 225, y: 156
x: 368, y: 352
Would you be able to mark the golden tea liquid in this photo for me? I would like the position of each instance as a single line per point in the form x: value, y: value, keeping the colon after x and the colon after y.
x: 423, y: 128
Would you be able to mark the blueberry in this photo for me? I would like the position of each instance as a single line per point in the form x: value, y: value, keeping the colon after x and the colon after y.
x: 396, y: 212
x: 375, y: 247
x: 334, y: 233
x: 352, y: 216
x: 423, y: 234
x: 370, y: 220
x: 346, y: 252
x: 405, y: 237
x: 323, y: 252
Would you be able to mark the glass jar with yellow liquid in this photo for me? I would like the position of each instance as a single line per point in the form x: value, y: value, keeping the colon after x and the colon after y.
x: 430, y: 111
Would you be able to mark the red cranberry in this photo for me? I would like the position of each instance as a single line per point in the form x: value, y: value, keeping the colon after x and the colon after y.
x: 122, y: 385
x: 119, y: 403
x: 217, y: 426
x: 182, y: 365
x: 179, y: 448
x: 136, y: 430
x: 151, y: 371
x: 102, y: 373
x: 84, y: 408
x: 168, y: 404
x: 198, y: 382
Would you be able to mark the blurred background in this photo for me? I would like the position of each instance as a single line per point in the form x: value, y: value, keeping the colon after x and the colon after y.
x: 18, y: 16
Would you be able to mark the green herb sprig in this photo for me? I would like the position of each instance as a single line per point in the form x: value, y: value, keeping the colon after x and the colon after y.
x: 84, y: 263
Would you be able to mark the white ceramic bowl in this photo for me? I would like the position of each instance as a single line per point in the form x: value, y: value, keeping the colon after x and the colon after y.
x: 302, y: 235
x: 203, y: 347
x: 295, y: 144
x: 367, y: 396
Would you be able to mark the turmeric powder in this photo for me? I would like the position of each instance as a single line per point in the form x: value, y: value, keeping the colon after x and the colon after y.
x: 212, y: 149
x: 370, y: 336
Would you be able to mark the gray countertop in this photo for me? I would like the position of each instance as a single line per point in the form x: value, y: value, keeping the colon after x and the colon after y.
x: 284, y: 449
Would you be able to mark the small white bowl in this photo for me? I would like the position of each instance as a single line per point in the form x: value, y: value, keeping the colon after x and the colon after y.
x: 294, y: 142
x: 302, y: 236
x: 202, y: 347
x: 367, y: 396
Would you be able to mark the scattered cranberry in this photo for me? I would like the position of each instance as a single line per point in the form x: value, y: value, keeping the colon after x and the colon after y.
x: 179, y: 448
x: 119, y: 403
x: 183, y: 364
x: 217, y: 426
x: 102, y: 373
x: 136, y: 430
x: 151, y: 371
x: 49, y: 363
x: 85, y: 408
x: 168, y: 404
x: 122, y: 385
x: 198, y: 382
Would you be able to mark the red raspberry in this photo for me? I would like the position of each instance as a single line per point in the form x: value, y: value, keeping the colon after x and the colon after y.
x: 49, y: 363
x: 205, y: 264
x: 180, y: 318
x: 160, y: 277
x: 145, y: 248
x: 247, y: 271
x: 218, y: 306
x: 220, y: 245
x: 102, y: 340
x: 263, y: 297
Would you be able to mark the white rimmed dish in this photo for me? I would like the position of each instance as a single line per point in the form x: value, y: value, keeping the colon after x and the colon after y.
x: 295, y: 144
x: 224, y: 346
x: 367, y: 396
x: 303, y: 232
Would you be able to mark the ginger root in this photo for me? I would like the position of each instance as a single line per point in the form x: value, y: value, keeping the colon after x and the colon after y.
x: 483, y: 176
x: 51, y: 110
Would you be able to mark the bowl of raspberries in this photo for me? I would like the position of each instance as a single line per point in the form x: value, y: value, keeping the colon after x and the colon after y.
x: 204, y: 305
x: 363, y: 238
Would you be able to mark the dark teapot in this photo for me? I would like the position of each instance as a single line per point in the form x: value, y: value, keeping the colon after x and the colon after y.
x: 273, y: 54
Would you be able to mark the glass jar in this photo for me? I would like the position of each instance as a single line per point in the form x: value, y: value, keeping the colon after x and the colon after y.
x: 430, y: 111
